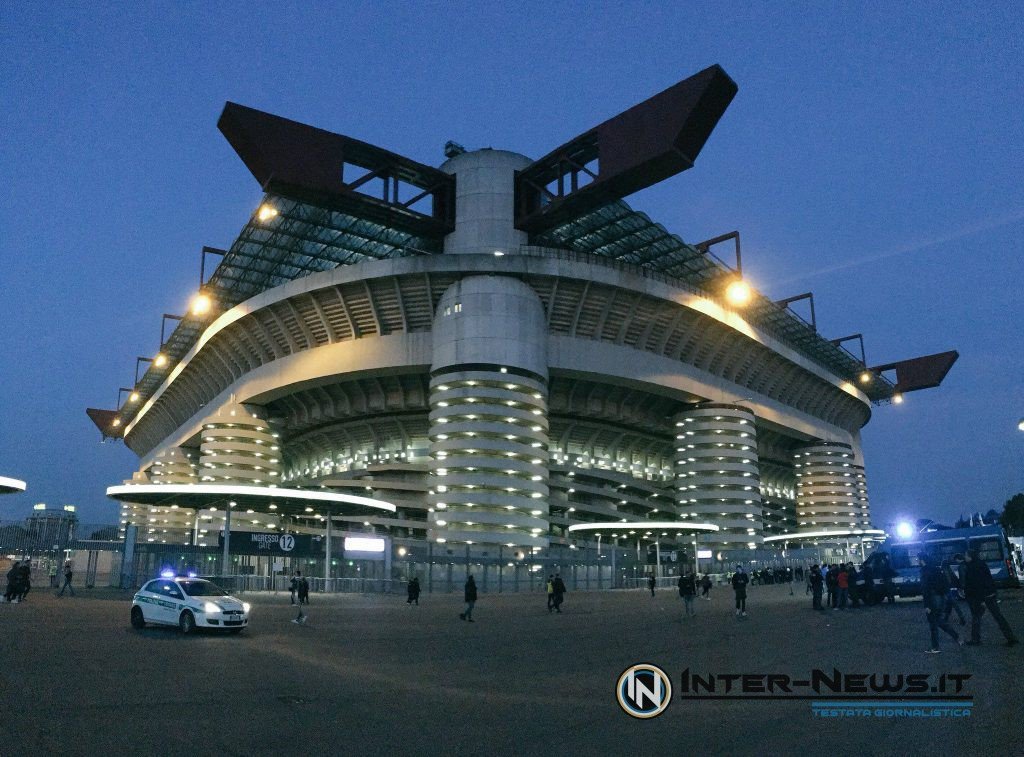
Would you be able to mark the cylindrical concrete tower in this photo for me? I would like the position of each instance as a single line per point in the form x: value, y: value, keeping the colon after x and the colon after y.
x: 239, y: 448
x: 717, y: 476
x: 830, y: 490
x: 485, y: 202
x: 174, y: 466
x: 488, y: 415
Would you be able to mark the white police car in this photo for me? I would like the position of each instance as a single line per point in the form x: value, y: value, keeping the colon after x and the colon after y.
x: 189, y: 603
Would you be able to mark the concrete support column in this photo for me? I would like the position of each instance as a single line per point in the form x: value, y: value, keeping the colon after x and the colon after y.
x: 238, y: 447
x: 488, y: 416
x: 831, y: 491
x: 717, y: 474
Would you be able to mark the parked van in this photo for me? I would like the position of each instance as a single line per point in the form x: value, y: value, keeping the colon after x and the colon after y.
x: 900, y: 559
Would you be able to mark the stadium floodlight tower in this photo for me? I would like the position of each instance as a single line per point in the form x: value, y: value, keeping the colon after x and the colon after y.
x: 505, y: 353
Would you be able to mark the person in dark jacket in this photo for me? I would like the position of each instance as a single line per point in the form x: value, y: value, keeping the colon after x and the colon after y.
x: 69, y: 573
x: 831, y: 579
x: 739, y: 585
x: 651, y: 583
x: 934, y: 588
x: 303, y: 590
x: 24, y: 580
x: 688, y: 591
x: 293, y: 586
x: 413, y: 592
x: 868, y: 574
x: 817, y: 585
x: 13, y: 577
x: 980, y: 592
x: 705, y: 587
x: 852, y: 577
x: 470, y: 596
x: 558, y: 591
x: 955, y: 587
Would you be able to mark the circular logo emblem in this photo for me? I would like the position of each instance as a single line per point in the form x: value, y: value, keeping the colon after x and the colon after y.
x: 287, y: 542
x: 643, y: 690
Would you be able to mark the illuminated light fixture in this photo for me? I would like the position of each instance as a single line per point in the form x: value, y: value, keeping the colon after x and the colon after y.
x: 738, y: 293
x: 266, y: 212
x: 498, y: 253
x: 116, y: 422
x: 865, y: 377
x: 160, y: 360
x: 897, y: 399
x: 364, y: 544
x: 201, y: 304
x: 1020, y: 425
x: 134, y: 397
x: 904, y: 530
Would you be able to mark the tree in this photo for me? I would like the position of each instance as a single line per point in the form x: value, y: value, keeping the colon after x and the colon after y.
x: 1012, y: 518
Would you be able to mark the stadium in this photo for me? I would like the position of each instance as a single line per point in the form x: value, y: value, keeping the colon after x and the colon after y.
x: 498, y: 361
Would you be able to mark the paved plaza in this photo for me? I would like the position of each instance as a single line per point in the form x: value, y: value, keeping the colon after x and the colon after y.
x: 371, y: 675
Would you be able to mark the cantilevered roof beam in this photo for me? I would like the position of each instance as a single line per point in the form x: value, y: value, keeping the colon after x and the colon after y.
x: 310, y: 164
x: 648, y: 143
x: 925, y: 372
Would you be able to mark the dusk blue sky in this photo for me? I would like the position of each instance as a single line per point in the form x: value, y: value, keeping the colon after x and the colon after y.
x: 872, y: 155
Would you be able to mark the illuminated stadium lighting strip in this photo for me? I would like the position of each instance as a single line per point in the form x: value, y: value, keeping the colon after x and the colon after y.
x: 130, y: 492
x: 646, y: 525
x: 11, y: 485
x: 826, y: 534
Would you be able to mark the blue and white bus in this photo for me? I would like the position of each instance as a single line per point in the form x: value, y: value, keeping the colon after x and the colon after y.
x: 902, y: 556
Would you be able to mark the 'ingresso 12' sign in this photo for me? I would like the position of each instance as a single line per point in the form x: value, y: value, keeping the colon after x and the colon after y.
x: 271, y: 543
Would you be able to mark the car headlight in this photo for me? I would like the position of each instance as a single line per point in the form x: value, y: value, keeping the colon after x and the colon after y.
x: 246, y: 607
x: 211, y: 607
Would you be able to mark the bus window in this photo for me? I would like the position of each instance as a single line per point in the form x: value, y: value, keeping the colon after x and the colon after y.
x: 905, y: 556
x: 990, y: 549
x: 943, y: 551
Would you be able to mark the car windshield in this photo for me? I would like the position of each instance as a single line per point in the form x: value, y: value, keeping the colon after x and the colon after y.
x: 201, y: 589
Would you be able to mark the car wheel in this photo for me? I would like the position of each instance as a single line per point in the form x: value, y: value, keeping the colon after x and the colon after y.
x: 187, y: 622
x: 138, y: 619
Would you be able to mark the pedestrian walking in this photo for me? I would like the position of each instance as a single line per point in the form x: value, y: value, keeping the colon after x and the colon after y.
x: 69, y: 572
x: 955, y: 588
x: 934, y: 588
x: 469, y: 594
x: 651, y: 582
x: 13, y: 577
x: 551, y: 592
x: 705, y: 587
x: 414, y: 592
x: 293, y: 586
x: 817, y: 584
x: 303, y: 590
x: 688, y: 591
x: 558, y: 591
x: 980, y: 591
x: 739, y: 585
x: 24, y: 580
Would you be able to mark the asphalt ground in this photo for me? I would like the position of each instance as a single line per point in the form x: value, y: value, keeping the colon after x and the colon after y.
x: 372, y: 675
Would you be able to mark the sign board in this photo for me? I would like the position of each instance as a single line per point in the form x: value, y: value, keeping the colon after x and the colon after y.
x: 704, y: 554
x: 273, y: 543
x: 365, y: 548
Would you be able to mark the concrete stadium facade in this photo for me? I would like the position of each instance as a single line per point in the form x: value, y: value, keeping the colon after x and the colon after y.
x: 501, y: 393
x: 532, y: 365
